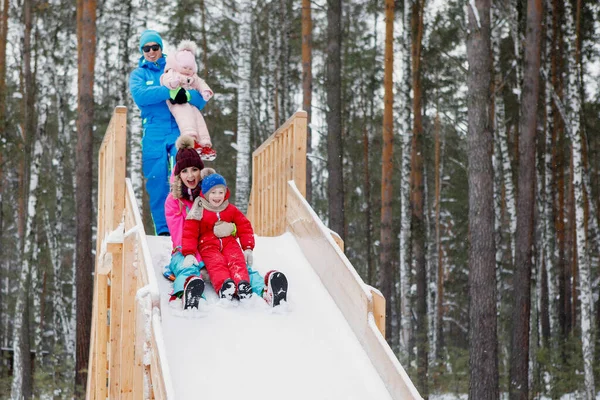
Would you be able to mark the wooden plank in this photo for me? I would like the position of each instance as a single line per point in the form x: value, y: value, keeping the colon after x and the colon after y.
x: 378, y: 309
x: 128, y: 316
x: 278, y: 132
x: 157, y: 379
x: 139, y: 371
x: 116, y: 301
x: 119, y: 166
x: 101, y: 340
x: 387, y: 365
x: 299, y: 157
x: 338, y: 240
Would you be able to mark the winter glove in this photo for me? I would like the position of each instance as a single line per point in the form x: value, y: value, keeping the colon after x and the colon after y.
x: 204, y: 274
x: 179, y: 96
x: 223, y: 229
x: 248, y: 257
x: 189, y: 261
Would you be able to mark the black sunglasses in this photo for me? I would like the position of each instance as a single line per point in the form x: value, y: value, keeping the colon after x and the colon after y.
x: 154, y: 47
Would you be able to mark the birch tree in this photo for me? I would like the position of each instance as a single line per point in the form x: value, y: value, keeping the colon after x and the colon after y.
x: 483, y: 358
x: 242, y: 183
x: 21, y: 384
x: 3, y: 132
x: 22, y: 379
x: 574, y: 102
x: 406, y: 137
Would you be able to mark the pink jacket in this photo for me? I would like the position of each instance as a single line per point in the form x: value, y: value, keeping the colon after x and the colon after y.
x: 175, y: 211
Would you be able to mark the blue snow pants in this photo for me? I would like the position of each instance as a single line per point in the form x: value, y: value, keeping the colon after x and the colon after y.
x: 257, y: 281
x: 158, y: 157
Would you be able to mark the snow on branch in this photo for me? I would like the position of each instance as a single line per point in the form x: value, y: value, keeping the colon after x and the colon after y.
x: 475, y: 13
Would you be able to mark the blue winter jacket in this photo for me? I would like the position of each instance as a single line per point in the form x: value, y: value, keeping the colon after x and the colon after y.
x: 150, y: 96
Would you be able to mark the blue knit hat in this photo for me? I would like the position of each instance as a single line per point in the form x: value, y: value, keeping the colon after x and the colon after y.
x: 212, y: 180
x: 150, y: 36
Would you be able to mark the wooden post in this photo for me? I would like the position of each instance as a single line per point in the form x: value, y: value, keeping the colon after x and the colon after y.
x: 128, y: 316
x: 101, y: 336
x: 379, y: 310
x: 338, y: 240
x: 116, y: 298
x: 299, y: 158
x: 140, y: 340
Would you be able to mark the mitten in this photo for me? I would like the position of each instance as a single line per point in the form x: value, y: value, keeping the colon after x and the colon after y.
x: 173, y: 94
x: 248, y: 257
x: 181, y: 96
x: 223, y: 229
x: 189, y: 261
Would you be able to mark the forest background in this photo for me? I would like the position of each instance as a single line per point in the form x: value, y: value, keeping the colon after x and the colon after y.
x: 393, y: 160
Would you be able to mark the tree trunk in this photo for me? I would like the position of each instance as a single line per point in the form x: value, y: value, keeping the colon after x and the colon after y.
x: 86, y: 48
x: 368, y: 211
x: 549, y: 316
x: 307, y: 88
x: 519, y: 377
x: 439, y: 318
x: 581, y: 239
x: 417, y: 200
x: 335, y: 185
x: 386, y: 267
x: 405, y: 213
x: 558, y: 173
x: 242, y: 183
x: 483, y: 359
x: 22, y: 379
x: 203, y: 40
x: 3, y: 288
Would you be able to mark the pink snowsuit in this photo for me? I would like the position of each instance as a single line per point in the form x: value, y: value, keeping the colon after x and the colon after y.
x: 181, y: 71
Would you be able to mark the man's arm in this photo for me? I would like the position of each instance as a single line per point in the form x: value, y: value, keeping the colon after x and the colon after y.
x: 196, y: 99
x: 144, y: 94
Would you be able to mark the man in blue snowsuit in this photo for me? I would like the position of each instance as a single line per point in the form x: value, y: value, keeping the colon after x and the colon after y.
x: 160, y: 130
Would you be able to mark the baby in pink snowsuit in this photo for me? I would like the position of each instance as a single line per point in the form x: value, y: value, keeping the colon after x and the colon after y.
x: 181, y: 71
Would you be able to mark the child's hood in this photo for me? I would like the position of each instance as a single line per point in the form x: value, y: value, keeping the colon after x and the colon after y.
x: 185, y: 57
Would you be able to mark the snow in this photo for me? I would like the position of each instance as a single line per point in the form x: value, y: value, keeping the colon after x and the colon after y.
x: 475, y: 12
x: 302, y: 349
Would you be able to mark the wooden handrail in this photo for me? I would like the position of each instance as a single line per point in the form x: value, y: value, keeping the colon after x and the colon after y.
x: 282, y: 157
x: 126, y: 360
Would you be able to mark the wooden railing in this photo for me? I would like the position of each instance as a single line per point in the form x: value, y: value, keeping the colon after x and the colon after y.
x: 126, y: 349
x: 282, y: 157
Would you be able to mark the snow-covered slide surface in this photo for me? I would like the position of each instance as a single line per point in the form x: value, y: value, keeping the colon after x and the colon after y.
x: 303, y: 349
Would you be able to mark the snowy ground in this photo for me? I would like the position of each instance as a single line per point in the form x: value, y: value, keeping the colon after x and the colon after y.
x: 305, y: 349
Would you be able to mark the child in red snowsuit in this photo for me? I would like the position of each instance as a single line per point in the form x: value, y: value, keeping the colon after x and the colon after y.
x: 224, y: 258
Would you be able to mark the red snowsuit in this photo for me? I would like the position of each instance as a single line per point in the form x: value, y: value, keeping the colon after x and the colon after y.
x: 223, y: 257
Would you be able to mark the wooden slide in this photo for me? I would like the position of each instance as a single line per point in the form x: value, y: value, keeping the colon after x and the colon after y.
x: 140, y: 345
